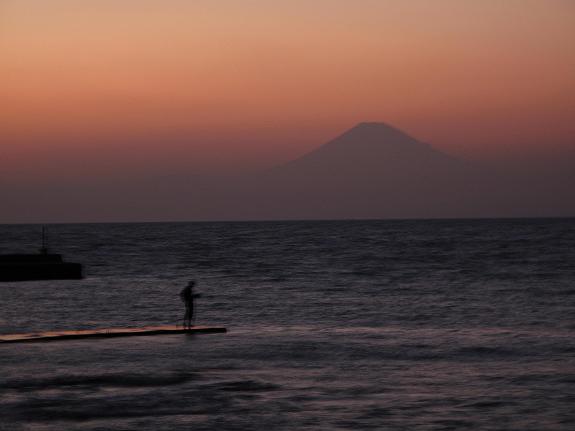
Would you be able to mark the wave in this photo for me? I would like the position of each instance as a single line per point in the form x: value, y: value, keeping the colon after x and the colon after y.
x: 101, y: 380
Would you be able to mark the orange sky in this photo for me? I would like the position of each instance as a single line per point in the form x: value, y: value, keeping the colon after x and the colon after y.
x: 96, y: 86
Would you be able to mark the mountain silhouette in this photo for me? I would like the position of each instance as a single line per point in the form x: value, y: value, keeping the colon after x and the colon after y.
x: 373, y: 148
x: 373, y: 170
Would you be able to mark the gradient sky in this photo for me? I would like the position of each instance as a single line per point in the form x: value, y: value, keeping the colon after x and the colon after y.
x: 125, y: 87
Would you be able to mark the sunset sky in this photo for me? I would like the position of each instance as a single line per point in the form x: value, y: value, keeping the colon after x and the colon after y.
x: 131, y: 87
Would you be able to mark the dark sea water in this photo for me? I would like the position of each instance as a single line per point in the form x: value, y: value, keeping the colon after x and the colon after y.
x: 352, y: 325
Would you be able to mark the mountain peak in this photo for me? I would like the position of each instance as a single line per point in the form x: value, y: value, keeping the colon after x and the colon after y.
x: 373, y: 125
x: 368, y: 147
x: 376, y: 132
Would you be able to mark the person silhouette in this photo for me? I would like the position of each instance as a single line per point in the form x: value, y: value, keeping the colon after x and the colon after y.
x: 188, y: 296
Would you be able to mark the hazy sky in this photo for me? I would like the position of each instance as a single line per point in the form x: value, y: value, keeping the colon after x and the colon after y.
x: 98, y: 87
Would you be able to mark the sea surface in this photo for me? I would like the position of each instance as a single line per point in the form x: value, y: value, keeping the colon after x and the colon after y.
x: 333, y: 325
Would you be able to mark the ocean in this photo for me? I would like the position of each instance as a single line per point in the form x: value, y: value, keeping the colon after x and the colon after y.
x: 332, y: 325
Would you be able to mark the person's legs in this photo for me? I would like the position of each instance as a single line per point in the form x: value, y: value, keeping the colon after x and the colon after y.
x: 187, y: 317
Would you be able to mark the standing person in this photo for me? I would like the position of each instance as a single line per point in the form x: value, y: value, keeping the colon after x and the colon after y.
x: 187, y: 295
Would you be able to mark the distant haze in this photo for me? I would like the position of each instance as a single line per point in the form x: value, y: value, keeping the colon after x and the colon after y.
x: 371, y: 171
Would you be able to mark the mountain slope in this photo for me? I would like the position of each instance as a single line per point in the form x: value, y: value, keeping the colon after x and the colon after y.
x: 373, y: 149
x: 372, y: 170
